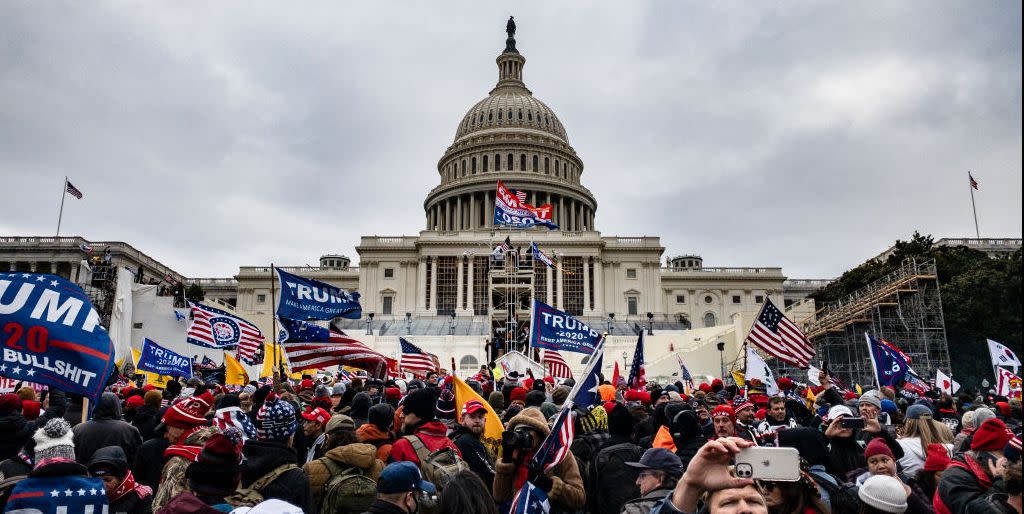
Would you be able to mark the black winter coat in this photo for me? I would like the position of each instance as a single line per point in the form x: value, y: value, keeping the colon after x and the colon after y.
x: 262, y: 457
x: 847, y: 454
x: 15, y: 430
x: 149, y: 462
x: 146, y: 420
x: 960, y: 490
x: 475, y: 454
x: 106, y: 428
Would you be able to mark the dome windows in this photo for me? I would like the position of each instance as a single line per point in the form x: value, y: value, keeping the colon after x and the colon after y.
x: 497, y: 162
x: 547, y: 163
x: 463, y: 167
x: 473, y: 169
x: 490, y: 115
x: 499, y: 115
x: 520, y: 115
x: 536, y: 161
x: 511, y: 162
x: 529, y: 116
x: 485, y: 164
x: 510, y: 115
x: 522, y: 162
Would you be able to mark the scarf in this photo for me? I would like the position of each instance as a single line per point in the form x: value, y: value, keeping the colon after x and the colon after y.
x: 523, y: 472
x: 128, y: 485
x: 190, y: 453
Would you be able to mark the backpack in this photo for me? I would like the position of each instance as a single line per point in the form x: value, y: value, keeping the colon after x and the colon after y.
x: 253, y: 495
x: 614, y: 481
x: 438, y: 466
x: 348, y: 491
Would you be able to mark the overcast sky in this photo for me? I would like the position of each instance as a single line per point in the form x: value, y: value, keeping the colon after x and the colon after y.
x: 807, y: 135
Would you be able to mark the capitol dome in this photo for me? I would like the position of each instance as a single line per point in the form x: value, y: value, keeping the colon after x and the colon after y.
x: 513, y: 137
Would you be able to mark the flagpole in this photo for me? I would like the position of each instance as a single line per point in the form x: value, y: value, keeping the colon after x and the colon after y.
x: 970, y: 186
x: 871, y: 356
x: 64, y: 193
x: 273, y: 323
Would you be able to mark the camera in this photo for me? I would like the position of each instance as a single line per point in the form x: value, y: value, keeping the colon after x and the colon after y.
x: 518, y: 439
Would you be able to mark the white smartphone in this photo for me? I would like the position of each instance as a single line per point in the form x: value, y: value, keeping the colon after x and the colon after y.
x: 767, y: 463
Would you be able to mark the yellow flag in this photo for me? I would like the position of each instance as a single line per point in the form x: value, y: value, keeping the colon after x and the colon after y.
x: 492, y: 428
x: 738, y: 377
x: 270, y: 359
x: 158, y: 381
x: 497, y: 373
x: 234, y: 373
x: 859, y: 390
x: 810, y: 398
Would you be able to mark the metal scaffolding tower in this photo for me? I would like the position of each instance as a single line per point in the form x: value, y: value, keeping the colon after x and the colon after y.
x: 511, y: 290
x: 904, y: 308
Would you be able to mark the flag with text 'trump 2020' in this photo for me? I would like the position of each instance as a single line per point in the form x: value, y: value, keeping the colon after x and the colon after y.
x: 157, y: 359
x: 553, y: 329
x: 304, y: 299
x: 512, y: 211
x: 53, y: 335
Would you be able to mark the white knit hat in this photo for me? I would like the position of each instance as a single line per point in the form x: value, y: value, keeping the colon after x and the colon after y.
x: 885, y: 493
x: 54, y: 441
x: 839, y: 410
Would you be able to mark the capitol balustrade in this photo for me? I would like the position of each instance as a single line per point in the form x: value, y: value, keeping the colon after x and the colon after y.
x: 773, y: 272
x: 32, y: 247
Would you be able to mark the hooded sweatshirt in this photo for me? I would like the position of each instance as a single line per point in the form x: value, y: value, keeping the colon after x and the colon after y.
x: 106, y: 428
x: 262, y: 457
x: 15, y: 430
x: 130, y: 497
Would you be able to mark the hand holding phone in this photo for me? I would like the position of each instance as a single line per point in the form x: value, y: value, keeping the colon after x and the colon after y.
x: 852, y: 422
x: 767, y: 463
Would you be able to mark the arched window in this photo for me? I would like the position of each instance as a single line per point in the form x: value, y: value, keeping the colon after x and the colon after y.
x: 536, y: 160
x: 473, y: 169
x: 547, y: 161
x: 463, y: 167
x: 481, y: 117
x: 520, y: 114
x: 511, y: 162
x: 468, y: 363
x: 497, y: 162
x: 522, y: 162
x: 510, y: 115
x: 490, y: 115
x: 556, y: 166
x: 709, y: 319
x: 499, y: 115
x: 529, y: 115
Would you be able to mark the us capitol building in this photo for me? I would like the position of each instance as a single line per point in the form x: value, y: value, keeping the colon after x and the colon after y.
x: 443, y: 289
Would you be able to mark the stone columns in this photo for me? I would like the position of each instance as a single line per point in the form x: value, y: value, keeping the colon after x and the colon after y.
x: 458, y: 212
x: 489, y: 211
x: 433, y: 285
x: 561, y: 291
x: 421, y: 285
x: 586, y: 286
x: 550, y: 294
x: 473, y: 215
x: 561, y: 213
x: 599, y: 286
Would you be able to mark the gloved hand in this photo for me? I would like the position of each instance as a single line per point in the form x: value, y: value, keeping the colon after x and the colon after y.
x: 540, y: 480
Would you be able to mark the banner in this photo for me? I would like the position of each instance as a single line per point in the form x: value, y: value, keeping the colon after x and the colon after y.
x: 53, y: 335
x: 1002, y: 356
x: 512, y: 210
x: 553, y: 329
x: 303, y: 298
x: 158, y: 381
x: 154, y: 358
x: 889, y: 367
x: 1007, y: 384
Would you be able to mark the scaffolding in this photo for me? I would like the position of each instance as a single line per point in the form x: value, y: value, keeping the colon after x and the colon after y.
x: 510, y: 285
x: 904, y: 308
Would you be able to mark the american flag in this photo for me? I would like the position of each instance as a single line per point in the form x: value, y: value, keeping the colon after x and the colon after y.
x: 75, y: 192
x: 521, y: 196
x: 505, y: 245
x: 974, y: 183
x: 415, y: 360
x: 684, y: 376
x: 530, y: 500
x: 777, y: 336
x: 556, y: 446
x: 214, y: 328
x: 310, y: 346
x: 557, y: 367
x: 637, y: 375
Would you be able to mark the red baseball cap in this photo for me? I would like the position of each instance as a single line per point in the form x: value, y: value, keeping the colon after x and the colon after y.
x: 318, y: 414
x: 473, y: 406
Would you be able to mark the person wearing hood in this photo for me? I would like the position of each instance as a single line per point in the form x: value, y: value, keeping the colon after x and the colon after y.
x: 55, y: 477
x: 15, y: 430
x: 420, y: 422
x: 377, y: 429
x: 229, y: 413
x: 360, y: 410
x: 106, y: 428
x: 276, y: 422
x: 563, y: 483
x: 687, y: 434
x: 124, y: 494
x: 341, y: 454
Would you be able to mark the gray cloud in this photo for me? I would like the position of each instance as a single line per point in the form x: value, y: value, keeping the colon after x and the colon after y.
x: 804, y: 135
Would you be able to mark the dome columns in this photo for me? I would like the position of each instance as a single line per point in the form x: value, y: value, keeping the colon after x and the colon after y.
x: 474, y: 210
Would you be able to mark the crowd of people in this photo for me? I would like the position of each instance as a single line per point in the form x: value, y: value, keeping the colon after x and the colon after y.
x: 327, y: 445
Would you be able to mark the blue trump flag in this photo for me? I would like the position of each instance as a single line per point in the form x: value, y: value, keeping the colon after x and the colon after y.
x: 890, y: 367
x: 53, y: 335
x: 553, y: 329
x: 157, y: 359
x: 303, y: 298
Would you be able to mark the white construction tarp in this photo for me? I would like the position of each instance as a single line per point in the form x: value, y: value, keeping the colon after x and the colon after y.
x: 515, y: 361
x: 121, y: 315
